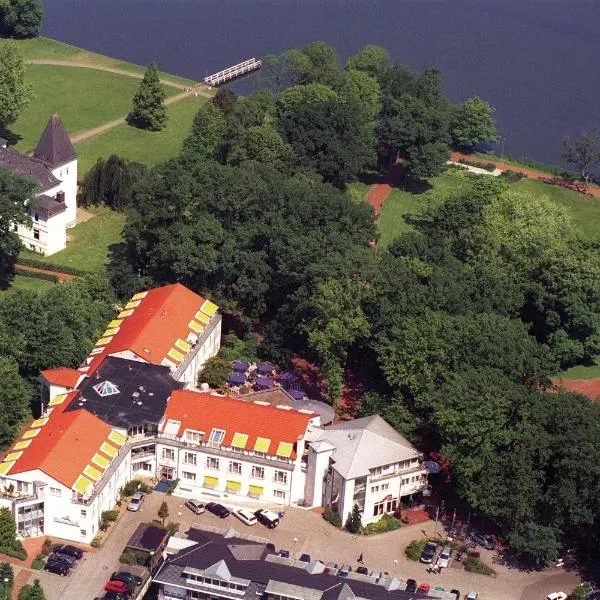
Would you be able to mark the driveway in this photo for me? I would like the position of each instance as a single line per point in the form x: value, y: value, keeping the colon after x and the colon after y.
x: 305, y: 531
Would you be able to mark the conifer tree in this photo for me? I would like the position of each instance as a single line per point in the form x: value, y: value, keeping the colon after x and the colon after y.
x: 149, y: 111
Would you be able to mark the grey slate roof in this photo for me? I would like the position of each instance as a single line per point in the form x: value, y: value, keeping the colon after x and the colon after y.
x: 363, y: 444
x: 49, y: 204
x: 28, y: 168
x: 212, y: 548
x: 54, y: 147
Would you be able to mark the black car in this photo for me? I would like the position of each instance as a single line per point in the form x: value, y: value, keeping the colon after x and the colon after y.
x: 57, y: 567
x: 428, y: 552
x: 362, y: 570
x: 64, y: 558
x: 483, y: 540
x: 304, y: 558
x: 284, y: 553
x: 217, y: 509
x: 69, y: 550
x: 411, y: 586
x: 456, y: 594
x: 126, y: 577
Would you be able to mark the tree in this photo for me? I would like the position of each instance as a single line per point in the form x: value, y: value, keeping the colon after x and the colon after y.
x: 111, y: 182
x: 15, y: 398
x: 6, y: 573
x: 225, y: 99
x: 473, y: 123
x: 371, y: 59
x: 215, y: 372
x: 163, y: 512
x: 15, y: 192
x: 538, y: 542
x: 263, y: 144
x: 32, y: 592
x: 354, y: 520
x: 149, y: 111
x: 8, y: 529
x: 15, y: 94
x: 207, y: 136
x: 21, y: 18
x: 584, y: 153
x: 325, y: 65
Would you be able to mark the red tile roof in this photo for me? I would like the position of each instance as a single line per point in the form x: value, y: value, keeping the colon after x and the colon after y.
x: 161, y: 317
x: 64, y: 446
x: 203, y: 411
x: 62, y: 376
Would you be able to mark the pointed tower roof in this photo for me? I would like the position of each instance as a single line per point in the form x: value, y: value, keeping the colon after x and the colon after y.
x: 54, y: 147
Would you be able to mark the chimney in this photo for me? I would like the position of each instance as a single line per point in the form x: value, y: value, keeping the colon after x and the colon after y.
x: 60, y: 197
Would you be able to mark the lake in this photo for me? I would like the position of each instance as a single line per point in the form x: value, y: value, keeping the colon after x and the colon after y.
x: 536, y: 61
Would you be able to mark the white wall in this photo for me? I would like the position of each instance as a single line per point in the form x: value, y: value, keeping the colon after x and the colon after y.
x: 67, y: 174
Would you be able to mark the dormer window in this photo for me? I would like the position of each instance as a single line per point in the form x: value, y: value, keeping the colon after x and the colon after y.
x: 217, y: 436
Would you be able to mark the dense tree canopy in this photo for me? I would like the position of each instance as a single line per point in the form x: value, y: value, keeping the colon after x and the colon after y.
x: 21, y: 18
x: 473, y: 123
x: 14, y: 92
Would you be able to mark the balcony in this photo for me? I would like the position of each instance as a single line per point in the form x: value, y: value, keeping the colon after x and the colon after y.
x: 398, y: 473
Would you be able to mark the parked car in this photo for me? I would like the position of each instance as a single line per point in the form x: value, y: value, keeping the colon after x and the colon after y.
x: 411, y: 586
x: 217, y: 509
x: 69, y: 551
x: 284, y: 553
x: 57, y: 567
x: 117, y: 586
x: 64, y: 558
x: 471, y: 596
x: 428, y: 552
x: 444, y: 558
x: 245, y: 516
x: 195, y: 506
x: 485, y: 541
x: 344, y: 570
x: 362, y: 570
x: 115, y: 596
x: 267, y: 518
x: 136, y: 501
x: 127, y: 577
x: 456, y: 594
x: 423, y: 589
x: 557, y: 596
x: 304, y: 558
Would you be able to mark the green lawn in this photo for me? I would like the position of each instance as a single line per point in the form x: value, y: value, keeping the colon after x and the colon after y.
x: 148, y: 147
x: 89, y: 242
x: 83, y: 98
x: 585, y: 210
x: 358, y: 191
x: 401, y: 203
x: 588, y: 371
x: 20, y: 282
x: 45, y: 48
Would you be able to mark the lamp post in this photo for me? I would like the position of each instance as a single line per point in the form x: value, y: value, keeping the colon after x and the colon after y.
x: 6, y: 588
x: 295, y: 541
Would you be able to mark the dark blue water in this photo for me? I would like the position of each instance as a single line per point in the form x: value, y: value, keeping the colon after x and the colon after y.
x: 537, y: 61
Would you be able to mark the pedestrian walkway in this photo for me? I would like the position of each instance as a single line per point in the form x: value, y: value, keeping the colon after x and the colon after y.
x: 61, y: 276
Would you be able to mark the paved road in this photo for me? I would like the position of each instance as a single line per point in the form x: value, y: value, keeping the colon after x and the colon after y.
x: 320, y: 540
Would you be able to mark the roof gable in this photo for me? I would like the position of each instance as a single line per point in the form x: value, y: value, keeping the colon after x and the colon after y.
x: 28, y: 168
x: 62, y: 376
x: 54, y: 147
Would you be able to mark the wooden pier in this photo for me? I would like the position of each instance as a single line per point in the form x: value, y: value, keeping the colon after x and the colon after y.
x: 252, y: 64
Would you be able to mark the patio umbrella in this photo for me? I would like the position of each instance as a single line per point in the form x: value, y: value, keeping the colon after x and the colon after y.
x: 263, y: 383
x: 241, y: 366
x: 265, y: 368
x: 237, y: 379
x: 297, y: 394
x: 288, y: 380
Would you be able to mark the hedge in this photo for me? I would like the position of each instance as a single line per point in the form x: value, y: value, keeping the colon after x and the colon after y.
x: 386, y: 523
x: 475, y: 565
x: 15, y: 551
x: 30, y: 261
x: 333, y: 517
x: 414, y: 550
x: 37, y: 275
x: 38, y: 562
x: 487, y: 166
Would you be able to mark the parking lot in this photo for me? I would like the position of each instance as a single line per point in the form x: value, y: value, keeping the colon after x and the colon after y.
x: 304, y: 531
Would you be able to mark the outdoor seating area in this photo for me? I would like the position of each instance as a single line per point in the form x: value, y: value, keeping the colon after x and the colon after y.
x: 264, y: 376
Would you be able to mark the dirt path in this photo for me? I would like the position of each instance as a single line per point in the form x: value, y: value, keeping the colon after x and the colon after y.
x: 377, y: 196
x: 531, y: 173
x: 61, y: 276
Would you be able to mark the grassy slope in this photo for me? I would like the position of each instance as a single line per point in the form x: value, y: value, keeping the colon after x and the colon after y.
x: 590, y: 371
x: 357, y: 191
x: 148, y: 147
x: 20, y: 282
x: 84, y: 99
x: 89, y: 241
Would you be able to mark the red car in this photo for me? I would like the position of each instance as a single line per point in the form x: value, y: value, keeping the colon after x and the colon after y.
x: 423, y: 589
x: 117, y: 586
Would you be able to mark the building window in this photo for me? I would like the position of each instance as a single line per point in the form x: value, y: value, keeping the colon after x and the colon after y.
x: 258, y: 472
x: 374, y: 489
x: 385, y: 486
x: 280, y: 494
x: 378, y: 509
x: 280, y: 477
x: 194, y: 437
x: 212, y: 463
x: 84, y: 513
x: 189, y: 458
x: 235, y: 467
x: 83, y: 532
x: 55, y: 491
x: 189, y: 476
x: 36, y: 234
x: 168, y: 454
x: 217, y: 436
x: 36, y: 217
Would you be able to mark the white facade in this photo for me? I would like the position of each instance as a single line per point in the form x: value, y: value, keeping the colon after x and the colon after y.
x: 67, y: 175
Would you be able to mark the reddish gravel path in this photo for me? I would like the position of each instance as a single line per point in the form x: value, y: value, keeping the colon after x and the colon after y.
x: 61, y: 276
x: 377, y: 196
x: 587, y: 387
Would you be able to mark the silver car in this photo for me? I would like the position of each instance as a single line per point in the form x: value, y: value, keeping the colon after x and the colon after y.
x: 195, y: 506
x: 136, y: 501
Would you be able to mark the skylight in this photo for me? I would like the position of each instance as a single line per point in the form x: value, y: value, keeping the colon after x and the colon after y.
x: 106, y: 388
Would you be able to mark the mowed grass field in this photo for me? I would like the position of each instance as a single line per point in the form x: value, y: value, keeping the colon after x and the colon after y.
x: 84, y: 99
x: 32, y: 284
x: 147, y: 147
x: 89, y: 242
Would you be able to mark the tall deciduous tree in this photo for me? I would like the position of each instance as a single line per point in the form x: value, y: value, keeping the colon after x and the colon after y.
x: 371, y: 59
x: 584, y: 153
x: 149, y: 111
x: 163, y: 512
x: 8, y: 530
x: 14, y: 194
x: 21, y: 18
x: 14, y: 92
x: 205, y: 141
x: 15, y: 398
x: 6, y: 573
x: 473, y: 123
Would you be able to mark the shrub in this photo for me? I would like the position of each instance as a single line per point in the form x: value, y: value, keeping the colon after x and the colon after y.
x: 38, y: 562
x: 172, y: 527
x: 414, y: 550
x: 14, y: 552
x: 130, y: 488
x: 513, y: 176
x: 46, y: 547
x: 386, y: 523
x: 476, y: 565
x: 96, y: 542
x: 333, y: 517
x: 146, y: 488
x: 135, y: 557
x: 172, y: 486
x: 31, y: 261
x: 354, y: 521
x: 480, y: 164
x: 108, y: 517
